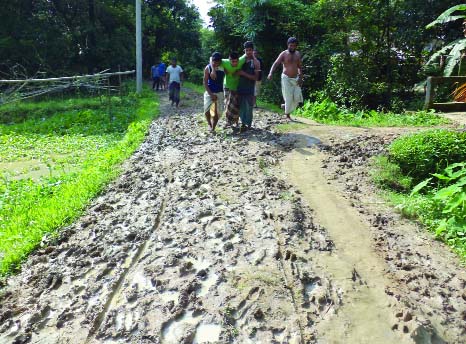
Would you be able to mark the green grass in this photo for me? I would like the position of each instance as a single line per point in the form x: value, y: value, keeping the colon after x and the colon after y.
x: 269, y: 106
x: 95, y: 139
x: 327, y: 112
x: 195, y: 87
x: 292, y: 126
x: 439, y: 204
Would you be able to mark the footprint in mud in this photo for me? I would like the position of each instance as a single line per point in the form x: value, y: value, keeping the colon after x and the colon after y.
x: 180, y: 330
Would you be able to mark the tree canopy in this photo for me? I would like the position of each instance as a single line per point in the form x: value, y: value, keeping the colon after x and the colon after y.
x: 358, y: 53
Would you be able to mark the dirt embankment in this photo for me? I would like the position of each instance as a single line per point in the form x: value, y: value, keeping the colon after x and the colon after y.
x: 203, y: 239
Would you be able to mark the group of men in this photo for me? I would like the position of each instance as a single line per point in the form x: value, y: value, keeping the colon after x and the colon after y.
x: 234, y: 83
x: 168, y: 78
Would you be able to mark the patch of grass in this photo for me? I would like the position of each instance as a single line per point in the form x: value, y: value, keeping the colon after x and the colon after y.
x: 195, y: 87
x: 289, y: 127
x: 388, y: 175
x: 269, y: 106
x: 328, y: 112
x: 420, y: 154
x: 31, y: 210
x: 286, y: 196
x: 438, y: 204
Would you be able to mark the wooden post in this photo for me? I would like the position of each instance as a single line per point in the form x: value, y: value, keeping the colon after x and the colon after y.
x: 429, y: 94
x: 138, y: 48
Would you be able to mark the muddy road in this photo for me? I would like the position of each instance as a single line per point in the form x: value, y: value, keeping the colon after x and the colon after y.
x: 256, y: 237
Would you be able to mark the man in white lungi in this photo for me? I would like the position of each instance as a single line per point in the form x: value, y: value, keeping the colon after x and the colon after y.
x: 292, y: 76
x: 213, y: 95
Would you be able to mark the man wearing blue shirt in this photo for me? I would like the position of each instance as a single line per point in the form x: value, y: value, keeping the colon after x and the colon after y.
x: 155, y: 77
x: 161, y: 68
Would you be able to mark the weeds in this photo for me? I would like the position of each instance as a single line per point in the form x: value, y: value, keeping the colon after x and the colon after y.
x: 328, y: 112
x: 438, y: 202
x: 91, y: 140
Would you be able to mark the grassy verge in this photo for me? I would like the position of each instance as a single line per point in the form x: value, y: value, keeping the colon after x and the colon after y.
x: 195, y: 87
x: 94, y: 139
x: 327, y: 112
x: 439, y: 203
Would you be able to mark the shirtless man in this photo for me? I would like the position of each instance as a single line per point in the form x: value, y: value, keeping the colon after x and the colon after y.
x: 292, y: 76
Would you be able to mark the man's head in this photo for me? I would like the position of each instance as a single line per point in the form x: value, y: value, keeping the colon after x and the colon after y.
x: 173, y: 62
x: 234, y: 57
x: 216, y: 59
x: 292, y: 44
x: 249, y: 49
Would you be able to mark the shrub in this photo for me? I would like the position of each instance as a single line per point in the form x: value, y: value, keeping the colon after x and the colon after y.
x: 270, y: 90
x: 195, y: 75
x: 421, y: 154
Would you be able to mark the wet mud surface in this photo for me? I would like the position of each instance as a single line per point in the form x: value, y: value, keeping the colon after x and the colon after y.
x: 429, y: 281
x: 204, y: 240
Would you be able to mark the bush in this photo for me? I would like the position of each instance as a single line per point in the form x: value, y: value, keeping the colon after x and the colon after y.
x: 326, y: 111
x: 195, y: 75
x: 271, y: 91
x: 421, y: 154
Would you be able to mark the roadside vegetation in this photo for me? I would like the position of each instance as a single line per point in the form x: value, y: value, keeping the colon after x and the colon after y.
x: 81, y: 142
x: 425, y: 176
x: 328, y: 112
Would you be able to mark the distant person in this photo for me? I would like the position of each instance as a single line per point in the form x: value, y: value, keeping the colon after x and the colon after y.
x: 257, y: 89
x: 248, y: 74
x: 155, y: 77
x: 174, y: 77
x: 162, y: 68
x: 292, y: 76
x: 213, y: 95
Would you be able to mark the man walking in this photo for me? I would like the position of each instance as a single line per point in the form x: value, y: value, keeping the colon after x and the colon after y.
x: 162, y: 68
x: 231, y: 66
x: 292, y: 76
x: 155, y: 77
x: 249, y: 74
x: 213, y: 95
x: 174, y: 76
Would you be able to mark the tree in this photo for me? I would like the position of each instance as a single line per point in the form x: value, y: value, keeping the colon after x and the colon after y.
x: 454, y: 50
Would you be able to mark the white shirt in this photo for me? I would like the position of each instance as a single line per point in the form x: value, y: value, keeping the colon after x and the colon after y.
x: 174, y: 74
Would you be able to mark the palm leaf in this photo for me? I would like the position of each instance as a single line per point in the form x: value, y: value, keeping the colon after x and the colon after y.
x: 446, y: 16
x: 445, y: 49
x: 454, y: 57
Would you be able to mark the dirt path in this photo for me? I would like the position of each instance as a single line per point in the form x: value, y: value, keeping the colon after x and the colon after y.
x: 202, y: 239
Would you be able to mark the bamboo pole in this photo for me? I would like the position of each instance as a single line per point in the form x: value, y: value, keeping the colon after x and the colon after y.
x: 76, y: 77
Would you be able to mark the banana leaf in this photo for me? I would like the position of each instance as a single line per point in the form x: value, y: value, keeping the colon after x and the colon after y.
x: 445, y: 49
x: 454, y: 57
x: 446, y: 16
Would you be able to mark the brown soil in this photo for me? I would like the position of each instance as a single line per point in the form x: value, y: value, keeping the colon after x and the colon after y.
x: 254, y: 237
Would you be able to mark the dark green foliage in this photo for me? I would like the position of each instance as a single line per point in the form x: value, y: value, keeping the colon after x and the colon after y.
x: 326, y: 111
x: 64, y: 37
x: 363, y: 54
x: 271, y: 90
x: 388, y: 175
x: 421, y: 154
x: 195, y: 75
